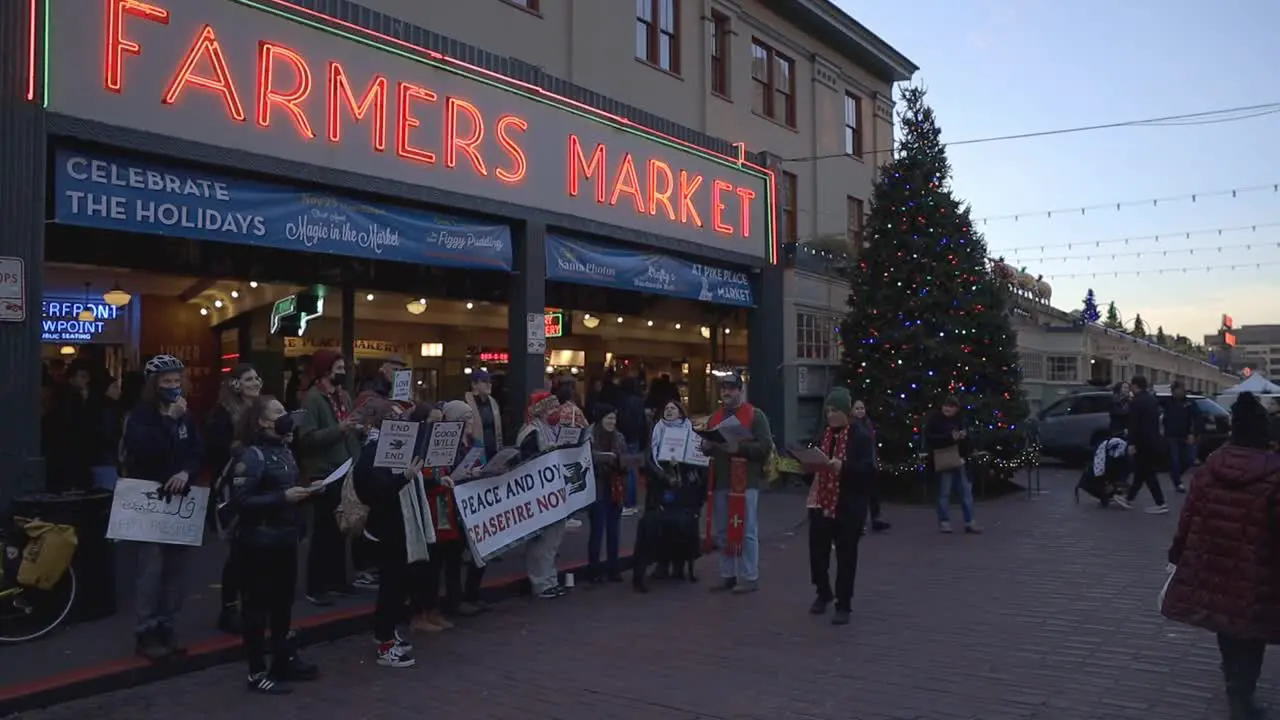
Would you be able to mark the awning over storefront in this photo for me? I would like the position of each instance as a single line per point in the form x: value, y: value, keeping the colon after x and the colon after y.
x: 111, y: 192
x: 581, y: 262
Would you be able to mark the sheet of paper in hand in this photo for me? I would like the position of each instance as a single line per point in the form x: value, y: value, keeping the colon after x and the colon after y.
x: 397, y: 440
x: 568, y: 435
x: 693, y: 454
x: 142, y: 512
x: 441, y: 445
x: 733, y: 431
x: 500, y: 462
x: 470, y: 463
x: 335, y: 476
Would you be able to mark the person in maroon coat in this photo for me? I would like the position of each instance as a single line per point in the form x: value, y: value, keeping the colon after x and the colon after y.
x: 1226, y: 548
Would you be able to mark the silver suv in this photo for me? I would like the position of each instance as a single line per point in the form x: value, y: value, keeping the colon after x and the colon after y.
x: 1071, y: 428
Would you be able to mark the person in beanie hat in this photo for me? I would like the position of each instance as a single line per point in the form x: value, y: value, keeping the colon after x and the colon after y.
x: 1225, y: 579
x: 838, y: 505
x: 328, y: 435
x: 536, y: 437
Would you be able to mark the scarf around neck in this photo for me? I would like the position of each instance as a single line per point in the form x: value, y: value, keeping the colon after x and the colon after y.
x: 824, y: 494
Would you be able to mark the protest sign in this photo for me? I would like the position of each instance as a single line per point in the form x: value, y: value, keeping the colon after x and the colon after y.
x: 141, y: 512
x: 397, y: 440
x: 502, y: 509
x: 672, y: 444
x: 402, y: 386
x: 441, y: 444
x: 568, y: 435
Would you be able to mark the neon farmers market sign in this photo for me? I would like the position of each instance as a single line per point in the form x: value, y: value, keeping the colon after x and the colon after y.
x: 272, y: 78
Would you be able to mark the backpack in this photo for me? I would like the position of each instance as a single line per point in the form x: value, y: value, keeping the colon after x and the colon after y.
x: 351, y: 514
x: 227, y: 515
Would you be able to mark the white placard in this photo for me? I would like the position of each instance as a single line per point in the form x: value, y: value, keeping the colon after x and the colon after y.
x: 568, y: 435
x: 693, y: 454
x: 536, y: 327
x: 141, y: 513
x: 396, y: 442
x: 673, y: 444
x: 402, y: 386
x: 470, y: 463
x: 13, y: 290
x: 502, y: 509
x: 442, y: 443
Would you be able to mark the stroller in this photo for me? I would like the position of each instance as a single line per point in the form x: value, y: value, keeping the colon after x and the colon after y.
x: 1107, y: 475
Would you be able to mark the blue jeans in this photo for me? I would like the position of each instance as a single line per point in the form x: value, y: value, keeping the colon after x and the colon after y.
x: 958, y: 479
x: 745, y: 567
x: 105, y: 477
x: 1182, y: 455
x: 633, y: 479
x: 606, y: 519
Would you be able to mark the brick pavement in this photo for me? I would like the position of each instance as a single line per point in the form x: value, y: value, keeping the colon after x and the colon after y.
x: 1048, y: 616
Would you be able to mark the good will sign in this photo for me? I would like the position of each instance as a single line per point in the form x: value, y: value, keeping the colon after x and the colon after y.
x: 503, y: 509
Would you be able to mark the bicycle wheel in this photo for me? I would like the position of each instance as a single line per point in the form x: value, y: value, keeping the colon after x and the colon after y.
x: 28, y: 613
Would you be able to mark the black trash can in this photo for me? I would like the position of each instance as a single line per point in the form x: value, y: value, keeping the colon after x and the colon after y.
x: 95, y: 560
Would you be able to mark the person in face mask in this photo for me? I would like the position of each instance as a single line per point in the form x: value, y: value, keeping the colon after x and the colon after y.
x: 328, y: 435
x: 161, y: 444
x: 264, y: 496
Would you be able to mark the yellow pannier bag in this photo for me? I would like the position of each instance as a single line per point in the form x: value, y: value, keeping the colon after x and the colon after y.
x: 47, y: 555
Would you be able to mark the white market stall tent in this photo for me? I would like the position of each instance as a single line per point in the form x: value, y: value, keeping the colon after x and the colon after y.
x: 1266, y: 390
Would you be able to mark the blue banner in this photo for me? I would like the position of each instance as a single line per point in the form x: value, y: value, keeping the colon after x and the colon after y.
x: 586, y: 263
x: 116, y: 193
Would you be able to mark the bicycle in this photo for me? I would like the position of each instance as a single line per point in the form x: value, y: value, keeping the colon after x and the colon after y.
x: 27, y: 612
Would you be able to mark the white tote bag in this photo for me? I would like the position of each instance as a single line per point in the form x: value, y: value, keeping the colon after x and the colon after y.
x: 1170, y: 569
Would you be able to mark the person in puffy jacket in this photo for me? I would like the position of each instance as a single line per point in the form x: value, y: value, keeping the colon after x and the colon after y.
x: 1226, y: 580
x: 264, y: 496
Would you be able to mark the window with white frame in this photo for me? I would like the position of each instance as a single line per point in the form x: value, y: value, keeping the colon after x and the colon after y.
x: 1063, y: 368
x: 816, y: 337
x: 1032, y: 364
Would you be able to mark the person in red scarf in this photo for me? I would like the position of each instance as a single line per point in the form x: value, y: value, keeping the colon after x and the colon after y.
x: 733, y: 488
x: 838, y: 505
x: 328, y: 435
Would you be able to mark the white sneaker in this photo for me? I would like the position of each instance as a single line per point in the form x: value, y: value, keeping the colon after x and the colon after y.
x: 630, y: 512
x: 572, y: 523
x: 1121, y: 502
x: 1157, y: 510
x: 394, y: 655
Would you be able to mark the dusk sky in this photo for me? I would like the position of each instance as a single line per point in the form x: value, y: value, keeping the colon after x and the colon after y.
x: 1003, y: 67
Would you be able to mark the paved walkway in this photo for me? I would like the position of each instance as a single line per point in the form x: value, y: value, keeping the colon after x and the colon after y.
x: 1048, y: 616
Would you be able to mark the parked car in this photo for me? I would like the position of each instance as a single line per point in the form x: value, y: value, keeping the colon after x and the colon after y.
x: 1071, y: 428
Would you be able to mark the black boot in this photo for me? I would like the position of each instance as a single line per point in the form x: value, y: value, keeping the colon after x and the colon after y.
x: 1241, y: 672
x: 229, y: 619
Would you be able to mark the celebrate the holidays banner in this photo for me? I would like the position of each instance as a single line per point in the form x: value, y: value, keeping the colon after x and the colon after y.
x: 500, y: 510
x: 116, y: 193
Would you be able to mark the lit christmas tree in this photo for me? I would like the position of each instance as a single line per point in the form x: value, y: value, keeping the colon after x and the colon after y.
x: 927, y: 319
x: 1089, y: 313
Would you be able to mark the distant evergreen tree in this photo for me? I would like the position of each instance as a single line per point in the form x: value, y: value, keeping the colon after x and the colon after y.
x: 1161, y: 339
x: 1113, y: 321
x: 1139, y: 328
x: 1089, y: 313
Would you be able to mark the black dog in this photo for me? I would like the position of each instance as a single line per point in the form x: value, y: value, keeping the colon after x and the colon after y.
x: 668, y: 533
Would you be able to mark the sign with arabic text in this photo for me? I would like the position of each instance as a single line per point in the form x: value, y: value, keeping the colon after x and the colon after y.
x: 142, y: 512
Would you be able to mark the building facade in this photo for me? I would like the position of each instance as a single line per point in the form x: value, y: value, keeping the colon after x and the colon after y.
x: 520, y: 156
x: 1058, y: 353
x: 1255, y: 347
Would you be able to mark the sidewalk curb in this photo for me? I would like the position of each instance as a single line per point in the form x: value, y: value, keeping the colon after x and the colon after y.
x: 131, y: 671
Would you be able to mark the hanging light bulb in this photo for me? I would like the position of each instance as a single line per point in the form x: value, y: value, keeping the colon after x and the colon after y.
x: 416, y: 307
x: 253, y: 283
x: 706, y: 332
x: 590, y: 321
x: 204, y: 311
x: 115, y: 297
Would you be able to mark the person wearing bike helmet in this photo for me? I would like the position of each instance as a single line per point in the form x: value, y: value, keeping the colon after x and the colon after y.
x: 161, y: 444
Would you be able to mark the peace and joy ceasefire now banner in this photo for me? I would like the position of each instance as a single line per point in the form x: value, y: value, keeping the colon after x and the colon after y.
x: 112, y: 192
x: 273, y: 78
x: 586, y: 263
x: 504, y: 509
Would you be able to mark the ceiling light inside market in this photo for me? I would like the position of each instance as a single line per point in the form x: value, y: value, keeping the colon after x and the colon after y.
x: 677, y: 326
x: 619, y: 318
x: 217, y: 303
x: 471, y: 306
x: 253, y: 283
x: 590, y: 321
x: 706, y: 331
x: 204, y: 311
x: 369, y: 297
x: 416, y: 307
x: 115, y: 297
x: 235, y: 294
x: 727, y: 331
x: 649, y: 323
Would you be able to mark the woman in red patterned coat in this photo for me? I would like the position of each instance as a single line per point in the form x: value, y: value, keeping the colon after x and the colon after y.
x: 1227, y: 554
